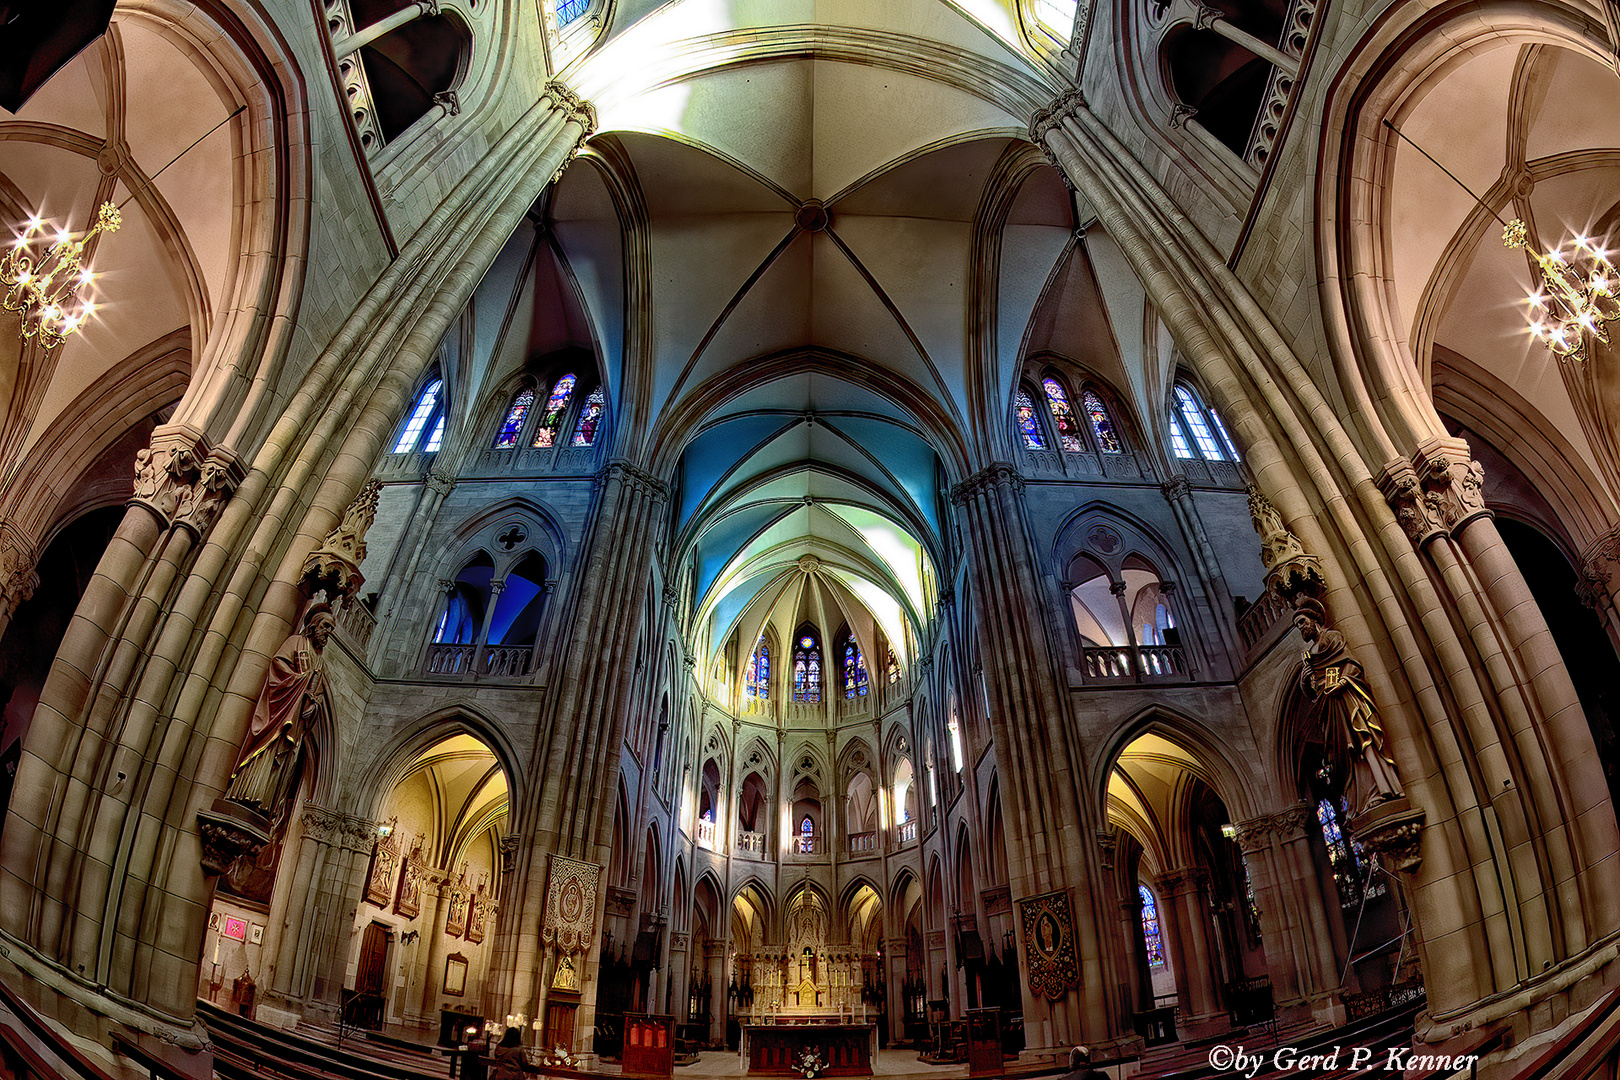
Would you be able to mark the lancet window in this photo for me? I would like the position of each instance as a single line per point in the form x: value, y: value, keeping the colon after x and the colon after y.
x: 1150, y: 928
x: 427, y: 408
x: 807, y: 668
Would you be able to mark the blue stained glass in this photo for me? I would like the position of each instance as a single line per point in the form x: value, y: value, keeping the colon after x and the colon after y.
x: 569, y: 10
x: 590, y: 417
x: 1029, y: 424
x: 1150, y: 928
x: 1102, y: 425
x: 425, y: 403
x: 513, y: 424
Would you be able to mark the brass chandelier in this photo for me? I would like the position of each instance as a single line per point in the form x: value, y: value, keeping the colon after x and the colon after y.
x: 44, y: 278
x: 1576, y: 298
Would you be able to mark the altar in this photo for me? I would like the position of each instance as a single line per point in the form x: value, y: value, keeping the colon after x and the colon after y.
x: 775, y: 1048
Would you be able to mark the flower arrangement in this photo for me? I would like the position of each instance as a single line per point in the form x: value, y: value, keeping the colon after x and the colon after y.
x: 810, y: 1064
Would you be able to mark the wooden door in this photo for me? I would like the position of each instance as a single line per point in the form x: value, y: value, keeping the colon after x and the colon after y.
x: 372, y: 975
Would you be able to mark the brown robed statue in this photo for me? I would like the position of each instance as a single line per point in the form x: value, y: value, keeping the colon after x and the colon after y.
x: 292, y: 707
x: 1334, y: 680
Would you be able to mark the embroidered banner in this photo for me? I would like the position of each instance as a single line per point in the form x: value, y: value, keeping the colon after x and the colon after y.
x: 1054, y: 965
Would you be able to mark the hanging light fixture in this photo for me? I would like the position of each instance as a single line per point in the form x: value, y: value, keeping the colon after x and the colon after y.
x: 1577, y: 295
x: 43, y: 273
x: 45, y: 280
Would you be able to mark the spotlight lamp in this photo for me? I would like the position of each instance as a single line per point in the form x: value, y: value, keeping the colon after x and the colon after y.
x: 43, y: 278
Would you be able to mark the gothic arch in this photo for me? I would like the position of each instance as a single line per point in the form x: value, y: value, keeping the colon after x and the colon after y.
x: 393, y: 760
x: 1214, y: 762
x: 550, y: 540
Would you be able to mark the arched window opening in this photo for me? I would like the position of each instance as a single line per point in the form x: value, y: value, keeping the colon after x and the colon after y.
x: 1196, y: 430
x: 807, y: 836
x: 1350, y: 865
x: 590, y: 418
x: 807, y: 668
x: 512, y: 426
x: 545, y: 433
x: 854, y: 671
x: 1150, y: 928
x: 1056, y: 17
x: 894, y: 667
x: 1102, y: 424
x: 1028, y: 421
x: 759, y: 671
x: 411, y: 68
x: 1223, y: 82
x: 518, y: 609
x: 569, y: 10
x: 466, y: 603
x: 954, y: 729
x: 427, y: 405
x: 1062, y: 416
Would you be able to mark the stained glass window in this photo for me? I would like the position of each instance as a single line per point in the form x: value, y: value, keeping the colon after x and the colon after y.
x: 569, y: 10
x: 1197, y: 426
x: 1063, y: 416
x: 513, y: 425
x: 545, y: 433
x: 807, y: 835
x: 759, y: 671
x: 854, y: 671
x: 1150, y: 928
x: 894, y: 667
x: 589, y: 418
x: 426, y: 401
x: 1102, y: 425
x: 1345, y: 856
x: 1029, y: 424
x: 807, y: 670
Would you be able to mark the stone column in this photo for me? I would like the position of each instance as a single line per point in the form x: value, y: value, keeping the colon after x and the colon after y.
x: 679, y: 971
x: 436, y: 889
x: 1050, y: 823
x: 581, y: 731
x: 359, y: 39
x: 1300, y: 957
x: 1192, y: 941
x: 715, y: 955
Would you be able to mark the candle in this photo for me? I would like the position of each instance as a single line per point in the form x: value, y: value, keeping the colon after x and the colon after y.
x: 216, y: 948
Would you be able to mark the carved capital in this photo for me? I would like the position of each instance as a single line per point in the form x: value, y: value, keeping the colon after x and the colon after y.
x: 321, y: 825
x: 198, y: 507
x: 1207, y: 17
x: 1180, y: 114
x: 1399, y: 482
x: 1452, y: 482
x: 1061, y: 108
x: 450, y: 101
x: 1188, y: 879
x: 166, y: 471
x: 1176, y: 488
x: 632, y: 476
x: 997, y: 474
x: 1595, y: 577
x: 440, y: 483
x: 575, y: 107
x: 17, y: 577
x: 1107, y: 845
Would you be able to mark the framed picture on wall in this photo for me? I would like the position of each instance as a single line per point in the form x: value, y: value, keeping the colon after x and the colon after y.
x: 455, y: 975
x: 236, y: 929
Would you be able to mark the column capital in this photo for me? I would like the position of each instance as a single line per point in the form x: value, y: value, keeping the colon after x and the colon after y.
x: 1452, y: 482
x: 1418, y: 517
x: 996, y: 474
x: 1061, y: 108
